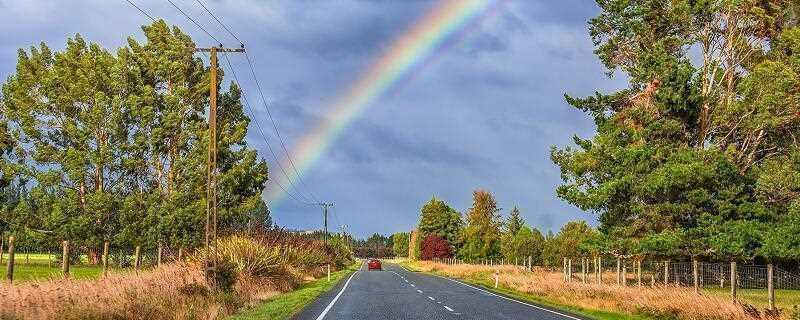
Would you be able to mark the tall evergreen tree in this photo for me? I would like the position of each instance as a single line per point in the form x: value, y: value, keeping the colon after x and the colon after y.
x: 689, y: 145
x: 481, y: 236
x: 437, y: 217
x: 115, y: 145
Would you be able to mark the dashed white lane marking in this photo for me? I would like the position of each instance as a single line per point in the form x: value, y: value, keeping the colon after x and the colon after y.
x: 413, y: 285
x: 330, y: 305
x: 418, y: 290
x: 509, y: 299
x: 405, y: 280
x: 432, y: 299
x: 448, y: 308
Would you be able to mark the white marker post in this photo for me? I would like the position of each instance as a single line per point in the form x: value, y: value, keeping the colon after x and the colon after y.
x: 329, y: 272
x: 496, y: 278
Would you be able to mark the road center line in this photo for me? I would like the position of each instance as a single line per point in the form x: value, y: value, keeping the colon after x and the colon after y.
x: 432, y: 299
x: 330, y: 305
x: 448, y: 308
x: 418, y: 290
x: 509, y: 299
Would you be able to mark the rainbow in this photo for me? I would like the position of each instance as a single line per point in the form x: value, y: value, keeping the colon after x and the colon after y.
x: 408, y: 53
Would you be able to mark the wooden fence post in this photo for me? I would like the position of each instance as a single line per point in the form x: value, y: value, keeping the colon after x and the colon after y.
x: 583, y: 269
x: 771, y: 286
x: 619, y: 269
x: 137, y: 258
x: 530, y: 263
x: 696, y: 275
x: 666, y: 272
x: 2, y: 250
x: 600, y: 269
x: 158, y: 259
x: 569, y: 270
x: 733, y: 280
x: 10, y: 266
x: 624, y: 273
x: 565, y: 269
x: 639, y: 271
x: 105, y: 259
x: 65, y: 258
x: 180, y: 254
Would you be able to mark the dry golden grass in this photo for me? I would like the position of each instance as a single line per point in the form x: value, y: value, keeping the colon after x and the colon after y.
x: 660, y: 301
x: 174, y: 291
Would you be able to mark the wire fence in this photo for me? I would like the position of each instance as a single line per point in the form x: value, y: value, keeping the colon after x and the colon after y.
x: 45, y: 260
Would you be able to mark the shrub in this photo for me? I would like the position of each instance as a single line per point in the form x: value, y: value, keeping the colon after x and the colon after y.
x: 434, y: 246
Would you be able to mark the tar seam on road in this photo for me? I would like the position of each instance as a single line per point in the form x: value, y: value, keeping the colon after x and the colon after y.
x: 330, y: 305
x: 509, y: 299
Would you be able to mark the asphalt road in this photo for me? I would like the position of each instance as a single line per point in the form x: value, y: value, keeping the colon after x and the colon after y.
x: 396, y: 293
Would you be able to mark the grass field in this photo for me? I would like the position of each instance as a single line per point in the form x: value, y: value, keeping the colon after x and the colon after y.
x: 285, y: 305
x: 784, y: 299
x: 516, y: 294
x: 42, y: 266
x: 611, y: 301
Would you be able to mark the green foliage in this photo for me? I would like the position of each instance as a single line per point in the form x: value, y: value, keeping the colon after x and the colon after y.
x: 525, y: 243
x: 98, y: 146
x: 697, y: 156
x: 481, y: 236
x: 569, y: 241
x: 400, y: 244
x: 440, y: 219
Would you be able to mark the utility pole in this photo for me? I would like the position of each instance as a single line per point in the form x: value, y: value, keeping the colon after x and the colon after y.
x: 325, y: 207
x: 211, y: 187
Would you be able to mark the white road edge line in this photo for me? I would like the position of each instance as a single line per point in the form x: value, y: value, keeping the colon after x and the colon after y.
x: 509, y: 299
x: 330, y: 305
x: 448, y: 308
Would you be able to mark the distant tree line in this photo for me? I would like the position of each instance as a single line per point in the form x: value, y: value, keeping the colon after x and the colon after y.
x: 98, y: 145
x: 376, y: 246
x: 483, y: 234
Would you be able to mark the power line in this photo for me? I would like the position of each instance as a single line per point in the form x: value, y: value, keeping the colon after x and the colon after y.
x: 193, y: 21
x: 140, y: 10
x: 263, y: 136
x: 220, y: 22
x: 252, y: 114
x: 275, y: 127
x: 266, y: 105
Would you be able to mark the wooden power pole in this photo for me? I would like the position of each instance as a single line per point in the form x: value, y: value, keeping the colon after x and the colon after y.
x: 325, y: 207
x: 211, y: 187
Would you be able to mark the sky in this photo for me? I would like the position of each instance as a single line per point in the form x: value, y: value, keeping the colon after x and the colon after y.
x: 481, y: 114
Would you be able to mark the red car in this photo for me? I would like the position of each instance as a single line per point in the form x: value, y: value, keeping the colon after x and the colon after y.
x: 374, y: 264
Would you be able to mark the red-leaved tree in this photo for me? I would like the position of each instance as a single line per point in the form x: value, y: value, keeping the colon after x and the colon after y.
x: 434, y: 246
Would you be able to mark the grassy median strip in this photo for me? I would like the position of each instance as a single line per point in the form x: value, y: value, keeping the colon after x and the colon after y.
x: 525, y: 297
x: 285, y: 305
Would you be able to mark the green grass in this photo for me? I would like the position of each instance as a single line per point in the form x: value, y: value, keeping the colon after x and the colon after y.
x: 42, y: 266
x: 784, y: 299
x: 285, y: 305
x: 512, y: 293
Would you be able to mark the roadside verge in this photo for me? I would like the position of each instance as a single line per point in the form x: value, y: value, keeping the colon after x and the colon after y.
x: 483, y: 284
x: 285, y: 305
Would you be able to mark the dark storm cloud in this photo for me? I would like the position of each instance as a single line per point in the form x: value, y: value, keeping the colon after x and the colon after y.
x: 483, y: 114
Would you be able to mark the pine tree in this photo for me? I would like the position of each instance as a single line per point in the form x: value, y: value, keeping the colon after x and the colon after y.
x: 481, y: 237
x: 437, y: 217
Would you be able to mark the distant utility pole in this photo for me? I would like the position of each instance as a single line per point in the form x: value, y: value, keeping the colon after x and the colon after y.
x: 325, y: 207
x: 211, y: 187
